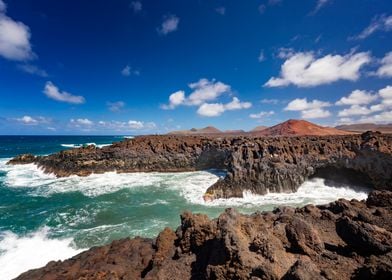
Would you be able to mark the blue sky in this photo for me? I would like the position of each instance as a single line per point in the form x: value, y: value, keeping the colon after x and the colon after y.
x: 143, y: 66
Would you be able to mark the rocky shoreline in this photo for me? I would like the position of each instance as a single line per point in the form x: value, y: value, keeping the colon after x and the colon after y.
x: 341, y: 240
x: 256, y: 164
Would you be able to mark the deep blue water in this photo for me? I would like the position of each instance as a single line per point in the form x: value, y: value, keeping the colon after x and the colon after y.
x: 11, y: 146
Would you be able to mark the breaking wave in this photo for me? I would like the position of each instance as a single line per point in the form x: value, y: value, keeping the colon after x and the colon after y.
x: 150, y: 202
x: 21, y: 253
x: 84, y: 145
x: 190, y: 185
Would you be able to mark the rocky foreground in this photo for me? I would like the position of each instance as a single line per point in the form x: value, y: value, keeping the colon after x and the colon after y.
x: 341, y: 240
x: 257, y: 164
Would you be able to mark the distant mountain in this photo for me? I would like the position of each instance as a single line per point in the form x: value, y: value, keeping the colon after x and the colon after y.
x: 258, y: 128
x: 299, y: 128
x: 234, y: 131
x: 287, y: 128
x: 361, y: 127
x: 197, y: 131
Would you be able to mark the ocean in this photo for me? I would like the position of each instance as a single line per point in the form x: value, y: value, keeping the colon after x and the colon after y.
x: 45, y: 218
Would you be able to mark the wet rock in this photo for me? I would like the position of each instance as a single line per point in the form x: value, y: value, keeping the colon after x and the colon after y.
x: 288, y: 244
x: 23, y: 159
x: 256, y: 164
x: 378, y: 198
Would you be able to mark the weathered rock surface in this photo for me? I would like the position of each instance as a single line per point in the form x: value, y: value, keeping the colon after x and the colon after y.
x: 341, y: 240
x: 257, y: 164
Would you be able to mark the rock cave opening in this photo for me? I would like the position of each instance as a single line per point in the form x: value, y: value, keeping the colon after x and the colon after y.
x: 344, y: 177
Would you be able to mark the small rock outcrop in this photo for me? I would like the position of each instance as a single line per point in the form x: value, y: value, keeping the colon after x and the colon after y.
x: 341, y: 240
x: 256, y: 164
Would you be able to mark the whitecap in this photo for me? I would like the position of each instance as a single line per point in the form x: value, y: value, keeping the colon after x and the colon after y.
x: 21, y: 253
x: 189, y: 185
x: 313, y: 191
x: 41, y: 184
x: 85, y: 144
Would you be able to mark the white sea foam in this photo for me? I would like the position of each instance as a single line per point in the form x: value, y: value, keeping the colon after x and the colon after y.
x: 84, y: 144
x: 313, y: 191
x: 18, y: 254
x: 190, y: 185
x: 128, y: 137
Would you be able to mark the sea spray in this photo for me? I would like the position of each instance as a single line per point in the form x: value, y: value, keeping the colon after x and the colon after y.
x: 73, y: 213
x: 21, y: 253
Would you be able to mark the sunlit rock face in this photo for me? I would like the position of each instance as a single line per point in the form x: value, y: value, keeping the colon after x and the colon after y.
x: 341, y: 240
x: 255, y: 164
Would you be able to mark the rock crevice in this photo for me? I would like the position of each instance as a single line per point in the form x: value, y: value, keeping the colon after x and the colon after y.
x: 341, y: 240
x: 256, y: 164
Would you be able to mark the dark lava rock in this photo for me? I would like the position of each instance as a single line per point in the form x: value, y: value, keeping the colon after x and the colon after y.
x: 378, y: 198
x: 23, y: 159
x: 303, y: 269
x: 256, y: 164
x: 366, y: 238
x: 303, y: 243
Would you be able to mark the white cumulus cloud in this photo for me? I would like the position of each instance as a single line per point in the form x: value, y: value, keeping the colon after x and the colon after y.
x: 131, y: 125
x: 261, y: 115
x: 203, y: 90
x: 169, y: 24
x: 29, y: 120
x: 381, y: 108
x: 81, y: 122
x: 382, y: 118
x: 309, y: 110
x: 175, y: 99
x: 14, y: 38
x: 304, y: 69
x: 357, y: 97
x: 355, y: 110
x: 385, y: 70
x: 54, y: 93
x: 217, y: 109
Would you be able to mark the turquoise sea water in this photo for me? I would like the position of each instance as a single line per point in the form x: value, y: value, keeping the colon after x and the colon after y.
x: 44, y: 218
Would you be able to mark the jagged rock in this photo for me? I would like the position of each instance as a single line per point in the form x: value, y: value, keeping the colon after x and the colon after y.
x: 364, y: 237
x: 303, y: 237
x: 303, y: 269
x: 23, y: 159
x: 256, y: 164
x: 378, y: 198
x: 375, y: 268
x: 257, y: 246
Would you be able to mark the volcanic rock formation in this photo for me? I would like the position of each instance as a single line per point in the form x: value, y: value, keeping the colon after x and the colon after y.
x: 256, y: 164
x: 341, y: 240
x: 300, y: 128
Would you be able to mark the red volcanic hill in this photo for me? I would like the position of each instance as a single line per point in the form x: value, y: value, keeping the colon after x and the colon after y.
x: 299, y: 128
